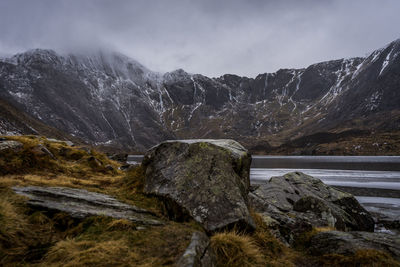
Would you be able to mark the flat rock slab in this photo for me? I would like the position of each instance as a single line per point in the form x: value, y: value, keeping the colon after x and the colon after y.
x: 80, y: 203
x: 347, y: 243
x: 207, y: 180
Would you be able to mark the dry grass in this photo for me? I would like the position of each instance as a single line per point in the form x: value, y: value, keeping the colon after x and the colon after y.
x: 121, y: 224
x: 134, y: 179
x: 12, y: 227
x: 71, y: 161
x: 70, y: 252
x: 46, y: 239
x: 102, y: 241
x: 24, y: 237
x: 235, y: 249
x: 259, y: 248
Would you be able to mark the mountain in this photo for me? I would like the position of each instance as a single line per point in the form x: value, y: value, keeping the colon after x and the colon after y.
x: 13, y: 121
x: 108, y: 98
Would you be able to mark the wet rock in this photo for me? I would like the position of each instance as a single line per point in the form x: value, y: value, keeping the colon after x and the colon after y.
x: 198, y: 253
x: 347, y: 243
x: 390, y: 224
x: 9, y: 144
x: 298, y: 202
x: 207, y: 180
x: 79, y: 203
x: 121, y: 157
x: 68, y: 143
x: 125, y: 167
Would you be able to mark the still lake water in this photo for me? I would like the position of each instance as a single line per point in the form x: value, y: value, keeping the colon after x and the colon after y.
x: 373, y: 173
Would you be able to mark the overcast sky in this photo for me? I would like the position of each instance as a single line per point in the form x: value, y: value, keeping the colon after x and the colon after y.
x: 211, y: 37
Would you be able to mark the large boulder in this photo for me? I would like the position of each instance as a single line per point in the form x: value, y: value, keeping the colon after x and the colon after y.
x: 299, y: 202
x: 347, y: 243
x: 80, y: 203
x: 207, y: 180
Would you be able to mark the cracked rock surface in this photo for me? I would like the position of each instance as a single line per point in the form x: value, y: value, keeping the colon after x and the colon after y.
x: 296, y: 202
x: 198, y: 253
x: 79, y: 203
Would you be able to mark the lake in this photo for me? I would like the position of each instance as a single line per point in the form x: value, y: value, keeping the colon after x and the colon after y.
x: 374, y: 180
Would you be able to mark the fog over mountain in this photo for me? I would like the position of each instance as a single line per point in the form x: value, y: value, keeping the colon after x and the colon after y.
x: 208, y: 37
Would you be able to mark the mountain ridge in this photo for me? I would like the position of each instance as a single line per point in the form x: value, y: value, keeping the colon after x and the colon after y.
x: 108, y: 98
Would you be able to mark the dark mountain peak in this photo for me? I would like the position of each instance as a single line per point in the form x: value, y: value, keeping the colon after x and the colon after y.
x: 35, y: 56
x: 177, y: 75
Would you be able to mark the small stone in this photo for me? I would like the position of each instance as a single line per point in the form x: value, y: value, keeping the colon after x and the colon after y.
x: 198, y: 253
x: 41, y: 150
x: 109, y: 167
x: 10, y: 144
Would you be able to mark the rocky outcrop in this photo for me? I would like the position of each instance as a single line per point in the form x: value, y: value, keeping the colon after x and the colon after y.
x: 66, y: 142
x: 347, y: 243
x: 79, y: 204
x: 198, y: 253
x: 296, y: 202
x: 9, y: 144
x: 207, y: 180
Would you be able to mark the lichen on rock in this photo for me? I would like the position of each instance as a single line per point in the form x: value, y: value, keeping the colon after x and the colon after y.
x: 207, y: 180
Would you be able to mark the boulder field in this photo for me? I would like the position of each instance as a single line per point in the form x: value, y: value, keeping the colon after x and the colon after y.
x: 208, y: 181
x: 295, y: 202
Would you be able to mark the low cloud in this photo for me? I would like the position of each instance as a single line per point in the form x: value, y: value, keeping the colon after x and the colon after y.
x: 210, y: 37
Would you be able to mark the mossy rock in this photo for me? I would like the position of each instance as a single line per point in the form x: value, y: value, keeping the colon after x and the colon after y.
x: 207, y: 180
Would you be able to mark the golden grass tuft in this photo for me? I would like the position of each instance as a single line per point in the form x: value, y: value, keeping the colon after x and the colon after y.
x: 121, y: 224
x: 134, y: 179
x: 71, y: 252
x: 235, y: 249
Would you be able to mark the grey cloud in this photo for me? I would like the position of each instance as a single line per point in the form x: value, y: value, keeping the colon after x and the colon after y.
x: 208, y: 37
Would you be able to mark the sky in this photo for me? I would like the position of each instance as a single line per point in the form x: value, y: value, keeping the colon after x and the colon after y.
x: 210, y: 37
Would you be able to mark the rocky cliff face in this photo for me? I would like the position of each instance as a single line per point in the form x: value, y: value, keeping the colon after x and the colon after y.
x: 107, y: 98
